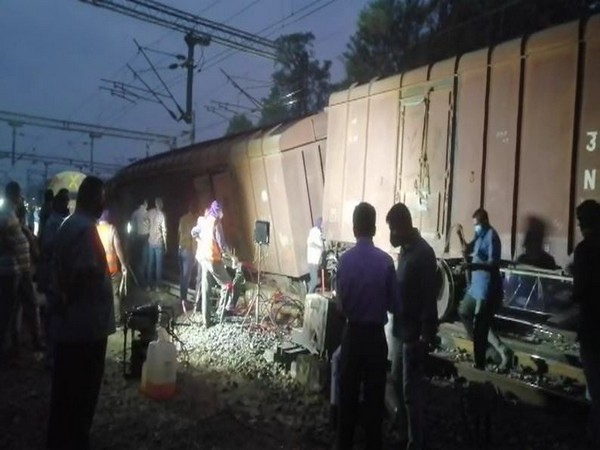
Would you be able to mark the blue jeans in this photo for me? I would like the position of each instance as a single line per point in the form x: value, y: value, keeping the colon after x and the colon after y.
x: 187, y: 262
x: 155, y: 262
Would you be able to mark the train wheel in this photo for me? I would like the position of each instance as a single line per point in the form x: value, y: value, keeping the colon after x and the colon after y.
x: 446, y: 292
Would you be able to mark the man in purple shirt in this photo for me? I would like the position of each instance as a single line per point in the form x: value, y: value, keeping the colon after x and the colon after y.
x: 366, y: 291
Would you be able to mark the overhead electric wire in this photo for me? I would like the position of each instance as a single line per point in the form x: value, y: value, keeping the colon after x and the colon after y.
x: 160, y: 78
x: 244, y: 9
x: 228, y: 53
x: 130, y: 61
x: 171, y: 113
x: 214, y: 60
x: 278, y: 25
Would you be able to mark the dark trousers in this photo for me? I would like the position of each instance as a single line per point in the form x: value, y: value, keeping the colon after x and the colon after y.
x: 140, y: 258
x: 590, y: 358
x: 9, y: 286
x: 363, y: 360
x: 407, y: 375
x: 76, y: 379
x: 476, y: 317
x: 187, y: 262
x: 27, y: 311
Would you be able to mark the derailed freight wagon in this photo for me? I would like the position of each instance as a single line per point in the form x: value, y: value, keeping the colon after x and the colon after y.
x: 273, y: 174
x: 512, y: 128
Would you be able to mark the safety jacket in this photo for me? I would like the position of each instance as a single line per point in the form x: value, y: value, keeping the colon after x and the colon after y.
x: 209, y: 248
x: 107, y: 235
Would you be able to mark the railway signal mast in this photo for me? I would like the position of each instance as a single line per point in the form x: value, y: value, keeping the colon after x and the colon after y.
x: 197, y: 31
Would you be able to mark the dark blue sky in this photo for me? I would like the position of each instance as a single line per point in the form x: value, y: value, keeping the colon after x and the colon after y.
x: 54, y: 53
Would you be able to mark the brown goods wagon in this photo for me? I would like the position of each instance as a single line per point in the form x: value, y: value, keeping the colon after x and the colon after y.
x: 192, y: 173
x: 234, y: 171
x: 280, y: 176
x: 511, y: 128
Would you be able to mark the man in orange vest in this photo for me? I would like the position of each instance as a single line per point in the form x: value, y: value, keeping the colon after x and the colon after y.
x: 114, y: 258
x: 211, y: 248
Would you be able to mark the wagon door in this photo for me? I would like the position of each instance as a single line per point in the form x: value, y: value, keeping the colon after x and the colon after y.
x: 426, y: 136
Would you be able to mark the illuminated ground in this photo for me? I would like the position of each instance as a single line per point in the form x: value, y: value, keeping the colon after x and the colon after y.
x: 229, y: 399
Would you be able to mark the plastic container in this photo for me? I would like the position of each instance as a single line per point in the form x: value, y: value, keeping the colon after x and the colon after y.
x: 159, y: 372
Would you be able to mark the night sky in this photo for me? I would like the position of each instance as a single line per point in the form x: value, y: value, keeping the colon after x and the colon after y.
x: 55, y: 53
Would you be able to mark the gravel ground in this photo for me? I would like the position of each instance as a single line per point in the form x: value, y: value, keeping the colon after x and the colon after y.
x: 229, y: 397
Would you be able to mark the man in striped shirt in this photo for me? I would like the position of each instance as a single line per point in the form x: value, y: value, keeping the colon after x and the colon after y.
x: 14, y: 259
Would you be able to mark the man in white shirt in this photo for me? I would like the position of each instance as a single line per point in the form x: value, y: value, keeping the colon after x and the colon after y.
x: 197, y: 235
x: 157, y: 244
x: 140, y: 230
x: 314, y: 253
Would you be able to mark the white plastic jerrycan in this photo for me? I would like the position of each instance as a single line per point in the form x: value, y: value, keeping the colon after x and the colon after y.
x: 159, y: 372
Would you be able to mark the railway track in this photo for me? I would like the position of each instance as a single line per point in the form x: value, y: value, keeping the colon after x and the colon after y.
x: 542, y: 376
x: 547, y: 371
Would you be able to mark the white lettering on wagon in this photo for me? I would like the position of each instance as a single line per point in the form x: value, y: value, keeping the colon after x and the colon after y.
x: 592, y: 141
x: 589, y: 180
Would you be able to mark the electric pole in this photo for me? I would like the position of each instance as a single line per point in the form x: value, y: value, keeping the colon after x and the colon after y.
x: 14, y: 126
x: 191, y: 41
x: 93, y: 137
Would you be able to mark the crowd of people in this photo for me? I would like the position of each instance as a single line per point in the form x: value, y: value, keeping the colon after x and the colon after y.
x: 370, y: 285
x: 79, y: 264
x: 201, y: 251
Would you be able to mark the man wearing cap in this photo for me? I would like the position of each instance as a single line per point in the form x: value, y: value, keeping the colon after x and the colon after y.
x: 211, y: 248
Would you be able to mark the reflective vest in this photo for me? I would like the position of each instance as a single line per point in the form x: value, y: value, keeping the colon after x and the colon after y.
x: 209, y: 249
x: 107, y: 235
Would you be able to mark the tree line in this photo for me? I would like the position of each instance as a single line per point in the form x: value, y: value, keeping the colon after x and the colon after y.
x: 393, y: 36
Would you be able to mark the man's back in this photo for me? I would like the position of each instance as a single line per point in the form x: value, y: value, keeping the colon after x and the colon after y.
x: 586, y: 285
x: 366, y: 283
x: 157, y: 229
x: 79, y: 262
x: 186, y: 224
x: 141, y: 222
x: 417, y: 291
x: 14, y: 246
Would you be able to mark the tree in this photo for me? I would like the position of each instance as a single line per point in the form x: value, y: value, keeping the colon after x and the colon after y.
x: 300, y: 82
x: 239, y: 123
x: 386, y: 30
x: 397, y: 35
